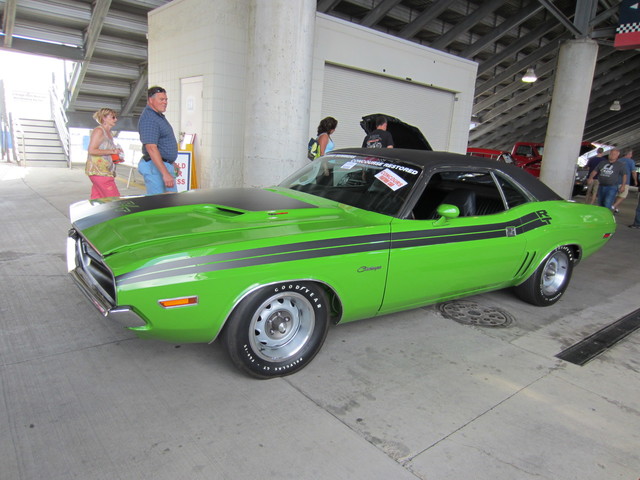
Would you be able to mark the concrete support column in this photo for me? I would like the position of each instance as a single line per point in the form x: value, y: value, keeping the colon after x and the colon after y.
x: 281, y: 38
x: 571, y: 91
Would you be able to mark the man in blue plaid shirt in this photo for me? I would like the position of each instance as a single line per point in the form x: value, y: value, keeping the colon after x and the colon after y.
x: 159, y: 146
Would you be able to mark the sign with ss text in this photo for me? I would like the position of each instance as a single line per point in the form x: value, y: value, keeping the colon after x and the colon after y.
x: 183, y: 179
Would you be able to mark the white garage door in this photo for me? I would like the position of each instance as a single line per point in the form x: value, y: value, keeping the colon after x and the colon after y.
x: 349, y: 94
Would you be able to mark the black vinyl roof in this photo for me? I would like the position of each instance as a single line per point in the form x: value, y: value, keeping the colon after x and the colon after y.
x: 430, y: 161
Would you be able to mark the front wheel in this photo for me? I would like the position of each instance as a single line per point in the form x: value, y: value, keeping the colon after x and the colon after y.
x: 550, y: 280
x: 278, y: 329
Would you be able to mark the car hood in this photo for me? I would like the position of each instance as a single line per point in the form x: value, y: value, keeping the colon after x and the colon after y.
x: 404, y: 135
x: 146, y: 227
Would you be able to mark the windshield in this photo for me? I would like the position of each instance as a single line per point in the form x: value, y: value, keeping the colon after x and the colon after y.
x: 371, y: 183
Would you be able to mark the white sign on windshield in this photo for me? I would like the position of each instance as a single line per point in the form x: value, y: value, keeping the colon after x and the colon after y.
x: 391, y: 179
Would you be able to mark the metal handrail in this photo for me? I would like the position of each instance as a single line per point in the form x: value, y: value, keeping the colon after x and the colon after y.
x: 60, y: 121
x: 19, y: 148
x: 6, y: 129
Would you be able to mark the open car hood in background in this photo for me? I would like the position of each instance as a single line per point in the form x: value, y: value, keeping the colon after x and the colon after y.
x: 404, y: 135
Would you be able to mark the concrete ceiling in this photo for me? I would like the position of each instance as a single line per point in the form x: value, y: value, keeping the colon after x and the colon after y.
x: 108, y: 40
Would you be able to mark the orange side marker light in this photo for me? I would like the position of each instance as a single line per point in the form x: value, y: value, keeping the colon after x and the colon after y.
x: 178, y: 302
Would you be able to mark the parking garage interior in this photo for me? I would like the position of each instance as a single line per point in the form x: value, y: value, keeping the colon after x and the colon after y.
x: 476, y: 389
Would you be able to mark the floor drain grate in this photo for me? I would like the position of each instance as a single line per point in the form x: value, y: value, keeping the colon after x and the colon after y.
x: 470, y: 313
x: 602, y: 340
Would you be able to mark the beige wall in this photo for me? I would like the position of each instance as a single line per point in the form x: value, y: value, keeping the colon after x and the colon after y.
x: 209, y: 38
x: 212, y: 38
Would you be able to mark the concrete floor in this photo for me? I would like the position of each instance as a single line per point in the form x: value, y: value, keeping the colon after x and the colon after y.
x: 407, y: 396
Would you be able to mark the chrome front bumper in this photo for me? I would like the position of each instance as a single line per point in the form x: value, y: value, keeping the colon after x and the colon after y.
x: 122, y: 314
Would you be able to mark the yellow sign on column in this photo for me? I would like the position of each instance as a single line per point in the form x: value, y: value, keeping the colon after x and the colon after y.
x: 188, y: 179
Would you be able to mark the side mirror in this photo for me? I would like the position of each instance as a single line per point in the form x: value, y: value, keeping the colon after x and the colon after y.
x: 446, y: 212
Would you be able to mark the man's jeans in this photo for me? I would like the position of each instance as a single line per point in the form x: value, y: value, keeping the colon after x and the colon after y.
x: 637, y: 220
x: 607, y: 195
x: 153, y: 178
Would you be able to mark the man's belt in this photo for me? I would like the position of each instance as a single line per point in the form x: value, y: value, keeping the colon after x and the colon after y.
x: 147, y: 158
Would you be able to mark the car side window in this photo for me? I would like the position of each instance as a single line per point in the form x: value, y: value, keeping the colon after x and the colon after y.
x: 512, y: 195
x: 524, y: 150
x: 473, y: 192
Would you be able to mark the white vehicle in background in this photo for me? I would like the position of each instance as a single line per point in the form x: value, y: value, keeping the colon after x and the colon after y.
x: 584, y: 157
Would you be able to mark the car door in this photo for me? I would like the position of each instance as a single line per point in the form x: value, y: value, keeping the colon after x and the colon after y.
x: 433, y: 258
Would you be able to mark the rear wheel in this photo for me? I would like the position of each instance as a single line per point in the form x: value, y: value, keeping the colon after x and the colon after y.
x: 550, y: 280
x: 277, y: 330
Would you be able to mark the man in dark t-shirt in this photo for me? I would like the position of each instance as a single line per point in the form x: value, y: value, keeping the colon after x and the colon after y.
x: 612, y: 176
x: 379, y: 138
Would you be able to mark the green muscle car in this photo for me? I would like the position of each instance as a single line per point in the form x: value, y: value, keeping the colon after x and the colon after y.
x: 354, y: 234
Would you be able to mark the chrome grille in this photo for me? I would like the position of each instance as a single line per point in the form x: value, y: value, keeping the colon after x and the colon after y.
x: 90, y: 265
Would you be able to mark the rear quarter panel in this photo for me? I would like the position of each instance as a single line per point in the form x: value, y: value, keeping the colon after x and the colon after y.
x: 588, y: 227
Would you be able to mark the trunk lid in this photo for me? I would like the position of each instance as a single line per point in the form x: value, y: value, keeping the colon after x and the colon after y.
x: 404, y: 135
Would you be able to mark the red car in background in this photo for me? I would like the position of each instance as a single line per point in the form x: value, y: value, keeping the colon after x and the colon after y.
x: 528, y: 156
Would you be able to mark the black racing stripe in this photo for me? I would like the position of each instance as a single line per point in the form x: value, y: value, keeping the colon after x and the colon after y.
x: 434, y: 237
x: 252, y: 262
x: 257, y: 252
x: 332, y: 247
x: 516, y: 223
x: 467, y: 237
x: 447, y: 232
x: 535, y: 220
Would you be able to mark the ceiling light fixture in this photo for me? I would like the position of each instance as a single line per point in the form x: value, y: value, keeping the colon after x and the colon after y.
x: 615, y: 106
x: 529, y: 76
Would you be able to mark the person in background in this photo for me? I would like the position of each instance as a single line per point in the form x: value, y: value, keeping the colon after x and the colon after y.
x: 100, y: 166
x: 636, y: 220
x: 159, y: 145
x: 612, y: 177
x: 592, y: 189
x: 326, y: 127
x: 379, y: 138
x: 631, y: 173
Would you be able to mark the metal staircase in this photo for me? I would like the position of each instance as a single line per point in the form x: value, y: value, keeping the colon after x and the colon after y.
x: 40, y: 144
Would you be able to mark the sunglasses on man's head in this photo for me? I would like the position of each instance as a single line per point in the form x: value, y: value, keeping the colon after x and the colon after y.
x: 152, y: 91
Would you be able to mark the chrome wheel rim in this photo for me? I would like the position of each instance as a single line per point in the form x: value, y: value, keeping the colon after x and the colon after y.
x: 281, y: 326
x: 554, y: 273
